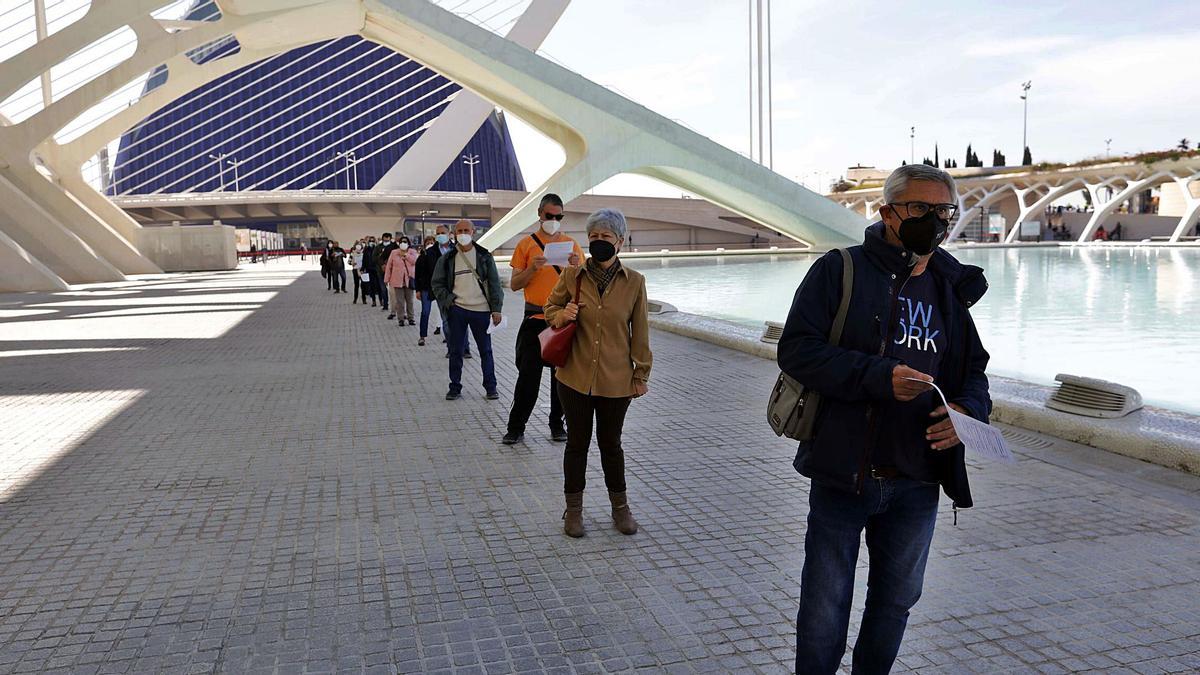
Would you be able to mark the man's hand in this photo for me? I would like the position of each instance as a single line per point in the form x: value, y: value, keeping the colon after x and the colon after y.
x: 907, y: 390
x: 419, y: 295
x: 942, y: 435
x: 496, y: 316
x: 570, y: 312
x: 536, y: 263
x: 574, y: 260
x: 640, y: 388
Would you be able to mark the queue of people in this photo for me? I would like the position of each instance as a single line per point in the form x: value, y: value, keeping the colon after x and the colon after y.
x: 878, y: 444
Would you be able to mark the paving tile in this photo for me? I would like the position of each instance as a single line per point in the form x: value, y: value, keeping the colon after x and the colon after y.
x: 255, y: 475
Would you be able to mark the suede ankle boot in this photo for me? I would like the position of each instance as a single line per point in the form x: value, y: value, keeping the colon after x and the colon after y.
x: 573, y: 516
x: 622, y: 516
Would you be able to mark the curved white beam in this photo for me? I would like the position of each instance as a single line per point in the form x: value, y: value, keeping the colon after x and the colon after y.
x: 602, y: 133
x: 427, y: 159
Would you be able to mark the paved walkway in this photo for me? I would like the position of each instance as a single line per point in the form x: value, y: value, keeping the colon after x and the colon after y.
x: 240, y: 472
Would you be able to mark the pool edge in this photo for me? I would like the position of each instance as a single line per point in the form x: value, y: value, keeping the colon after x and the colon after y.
x: 1164, y: 437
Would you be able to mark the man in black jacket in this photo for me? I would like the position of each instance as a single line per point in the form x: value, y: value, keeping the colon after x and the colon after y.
x: 379, y: 258
x: 425, y: 264
x: 882, y: 442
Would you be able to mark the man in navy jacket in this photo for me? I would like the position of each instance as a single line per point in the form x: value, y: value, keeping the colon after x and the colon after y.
x: 882, y: 442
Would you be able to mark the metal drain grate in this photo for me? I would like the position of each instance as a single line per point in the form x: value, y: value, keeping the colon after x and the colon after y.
x: 1093, y: 398
x: 772, y: 332
x: 1025, y: 440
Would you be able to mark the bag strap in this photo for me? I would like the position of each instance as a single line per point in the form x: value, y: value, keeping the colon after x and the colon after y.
x: 578, y: 285
x: 538, y: 240
x: 475, y: 273
x: 839, y: 321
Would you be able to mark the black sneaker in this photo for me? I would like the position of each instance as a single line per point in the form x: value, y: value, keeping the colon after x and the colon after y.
x: 438, y: 331
x: 512, y: 439
x: 492, y: 395
x: 391, y: 316
x: 558, y: 435
x: 453, y: 396
x: 467, y: 355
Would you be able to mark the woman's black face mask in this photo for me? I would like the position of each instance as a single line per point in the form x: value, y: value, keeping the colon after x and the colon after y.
x: 602, y: 250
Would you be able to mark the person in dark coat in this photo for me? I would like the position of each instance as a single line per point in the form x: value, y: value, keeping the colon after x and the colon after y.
x: 882, y: 442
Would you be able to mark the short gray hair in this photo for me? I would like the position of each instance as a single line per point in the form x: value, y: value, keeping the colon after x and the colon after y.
x: 608, y: 219
x: 898, y: 181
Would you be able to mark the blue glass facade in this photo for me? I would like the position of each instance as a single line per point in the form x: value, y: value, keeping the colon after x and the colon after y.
x: 284, y: 121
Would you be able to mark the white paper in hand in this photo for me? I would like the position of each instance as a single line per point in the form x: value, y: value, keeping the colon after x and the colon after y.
x: 366, y: 276
x: 492, y: 328
x: 983, y: 440
x: 559, y: 253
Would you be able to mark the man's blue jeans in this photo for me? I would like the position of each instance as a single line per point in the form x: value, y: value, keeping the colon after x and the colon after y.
x: 426, y: 310
x: 898, y: 515
x: 458, y: 323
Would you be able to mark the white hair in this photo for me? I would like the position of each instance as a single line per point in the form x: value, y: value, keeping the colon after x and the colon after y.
x: 898, y: 182
x: 608, y: 219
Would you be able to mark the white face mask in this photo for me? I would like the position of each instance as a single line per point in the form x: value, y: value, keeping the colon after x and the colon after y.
x: 550, y: 226
x: 443, y: 239
x: 358, y: 248
x: 403, y: 246
x: 464, y: 239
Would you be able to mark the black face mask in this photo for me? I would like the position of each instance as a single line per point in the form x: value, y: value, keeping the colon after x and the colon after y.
x: 922, y: 235
x: 601, y: 250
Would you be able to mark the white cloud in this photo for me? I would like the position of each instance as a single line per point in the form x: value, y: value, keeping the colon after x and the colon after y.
x: 998, y: 47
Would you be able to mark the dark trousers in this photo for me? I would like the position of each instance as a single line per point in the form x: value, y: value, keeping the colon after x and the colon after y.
x: 328, y: 279
x: 529, y: 379
x: 339, y: 279
x: 380, y: 288
x: 357, y: 286
x: 609, y: 415
x: 460, y: 322
x: 898, y: 515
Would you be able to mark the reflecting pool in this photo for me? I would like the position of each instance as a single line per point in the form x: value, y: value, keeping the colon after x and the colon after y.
x: 1129, y: 315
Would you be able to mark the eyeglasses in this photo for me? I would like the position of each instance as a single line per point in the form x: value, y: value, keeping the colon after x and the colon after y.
x: 918, y: 209
x: 554, y: 216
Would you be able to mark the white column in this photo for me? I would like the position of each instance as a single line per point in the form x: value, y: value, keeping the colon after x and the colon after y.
x: 1039, y: 203
x: 1101, y: 210
x: 1191, y: 214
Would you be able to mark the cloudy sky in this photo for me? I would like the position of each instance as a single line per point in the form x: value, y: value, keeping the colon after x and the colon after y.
x: 852, y: 76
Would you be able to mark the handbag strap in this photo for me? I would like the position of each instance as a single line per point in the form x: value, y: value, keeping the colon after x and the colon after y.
x: 578, y: 284
x: 839, y: 321
x: 538, y: 240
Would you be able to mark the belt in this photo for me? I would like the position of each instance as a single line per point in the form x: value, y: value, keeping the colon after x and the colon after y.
x: 885, y: 472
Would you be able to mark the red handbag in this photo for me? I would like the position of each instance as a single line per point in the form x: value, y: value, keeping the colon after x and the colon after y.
x: 556, y: 342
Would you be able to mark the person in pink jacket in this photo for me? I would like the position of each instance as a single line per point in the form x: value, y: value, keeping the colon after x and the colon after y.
x: 400, y: 276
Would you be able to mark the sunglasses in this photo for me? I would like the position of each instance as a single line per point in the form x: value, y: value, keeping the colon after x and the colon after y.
x: 554, y: 216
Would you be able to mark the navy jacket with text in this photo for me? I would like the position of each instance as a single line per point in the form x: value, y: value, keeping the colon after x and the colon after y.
x: 853, y: 376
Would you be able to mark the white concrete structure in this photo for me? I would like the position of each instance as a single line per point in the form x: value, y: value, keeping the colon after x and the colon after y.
x: 346, y: 215
x: 1022, y: 193
x: 59, y: 230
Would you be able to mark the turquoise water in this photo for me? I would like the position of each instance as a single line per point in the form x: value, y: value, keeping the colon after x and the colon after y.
x: 1129, y: 315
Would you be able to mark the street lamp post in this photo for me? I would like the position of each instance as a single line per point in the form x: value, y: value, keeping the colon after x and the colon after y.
x: 471, y: 161
x: 351, y: 171
x: 1025, y: 123
x: 1107, y: 146
x: 235, y: 163
x: 912, y: 145
x: 425, y: 212
x: 219, y: 158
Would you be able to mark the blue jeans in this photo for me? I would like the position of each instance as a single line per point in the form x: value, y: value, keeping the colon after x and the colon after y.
x: 898, y: 515
x: 458, y: 323
x: 427, y: 309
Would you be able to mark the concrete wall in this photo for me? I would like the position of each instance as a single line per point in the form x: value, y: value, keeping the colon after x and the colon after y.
x: 190, y: 248
x: 1134, y: 226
